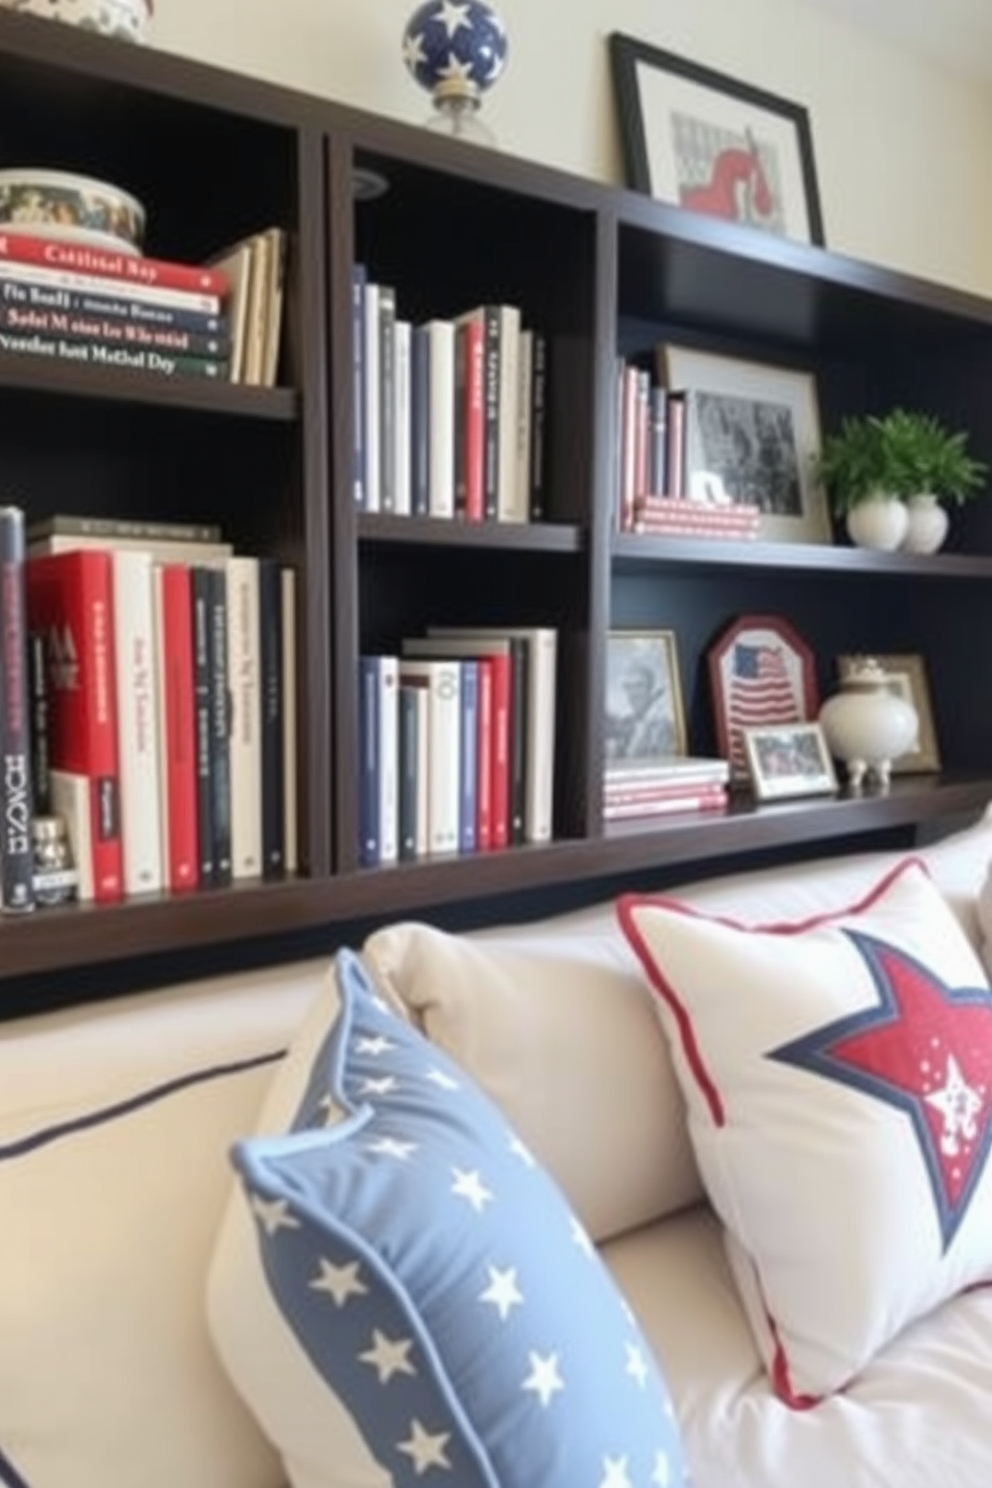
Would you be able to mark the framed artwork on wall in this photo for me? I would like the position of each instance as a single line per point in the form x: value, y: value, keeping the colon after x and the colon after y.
x: 754, y: 430
x: 645, y: 717
x: 714, y: 144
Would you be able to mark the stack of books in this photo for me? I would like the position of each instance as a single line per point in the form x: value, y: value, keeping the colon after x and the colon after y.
x: 98, y: 307
x: 154, y: 708
x: 673, y: 783
x: 449, y: 413
x: 457, y: 741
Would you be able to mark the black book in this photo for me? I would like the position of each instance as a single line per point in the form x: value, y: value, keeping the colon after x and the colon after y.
x: 538, y: 431
x: 38, y: 685
x: 220, y: 726
x: 16, y: 792
x: 271, y: 696
x: 409, y: 766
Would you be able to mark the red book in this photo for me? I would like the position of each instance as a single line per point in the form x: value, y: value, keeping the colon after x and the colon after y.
x: 177, y: 714
x: 124, y: 268
x: 70, y: 601
x: 500, y: 755
x: 470, y: 417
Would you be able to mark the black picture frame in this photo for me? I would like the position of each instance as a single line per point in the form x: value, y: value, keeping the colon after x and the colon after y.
x: 767, y: 181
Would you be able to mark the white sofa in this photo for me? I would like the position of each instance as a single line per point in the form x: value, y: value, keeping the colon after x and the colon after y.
x: 116, y: 1122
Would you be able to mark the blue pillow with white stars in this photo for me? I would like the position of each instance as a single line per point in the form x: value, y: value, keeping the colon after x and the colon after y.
x: 405, y: 1292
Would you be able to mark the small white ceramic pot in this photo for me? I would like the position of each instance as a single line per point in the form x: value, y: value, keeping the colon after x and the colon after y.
x: 127, y: 19
x: 867, y: 724
x: 878, y: 523
x: 927, y: 526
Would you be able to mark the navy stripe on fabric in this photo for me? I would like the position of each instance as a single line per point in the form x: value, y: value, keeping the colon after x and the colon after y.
x: 9, y: 1476
x: 49, y: 1134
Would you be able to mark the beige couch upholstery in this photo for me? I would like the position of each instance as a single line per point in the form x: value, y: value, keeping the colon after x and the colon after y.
x: 115, y: 1122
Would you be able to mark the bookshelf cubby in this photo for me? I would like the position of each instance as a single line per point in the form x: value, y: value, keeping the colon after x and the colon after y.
x: 602, y: 272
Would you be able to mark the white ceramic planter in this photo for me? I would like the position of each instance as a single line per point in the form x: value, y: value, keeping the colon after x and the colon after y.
x: 927, y: 525
x: 879, y: 523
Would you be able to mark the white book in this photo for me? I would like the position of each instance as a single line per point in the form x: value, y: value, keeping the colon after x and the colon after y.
x: 291, y: 850
x: 246, y: 718
x: 441, y: 680
x: 138, y: 729
x: 71, y: 799
x: 236, y: 262
x: 29, y: 275
x: 275, y: 293
x: 372, y: 380
x: 169, y: 550
x: 402, y: 467
x: 421, y: 843
x: 522, y: 448
x: 507, y: 505
x: 388, y: 761
x: 542, y: 667
x: 441, y: 420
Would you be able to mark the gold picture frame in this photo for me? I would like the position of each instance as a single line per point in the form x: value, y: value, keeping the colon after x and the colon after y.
x: 789, y: 759
x: 908, y: 672
x: 644, y: 715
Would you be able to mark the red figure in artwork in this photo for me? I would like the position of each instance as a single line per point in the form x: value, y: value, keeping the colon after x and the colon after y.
x: 738, y: 187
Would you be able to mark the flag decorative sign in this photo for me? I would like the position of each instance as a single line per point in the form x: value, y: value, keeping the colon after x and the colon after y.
x: 761, y: 673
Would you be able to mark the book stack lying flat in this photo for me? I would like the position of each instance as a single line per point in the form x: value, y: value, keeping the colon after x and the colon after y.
x: 658, y: 786
x: 75, y: 303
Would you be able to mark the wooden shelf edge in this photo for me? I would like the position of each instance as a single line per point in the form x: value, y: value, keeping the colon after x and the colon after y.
x: 58, y: 940
x: 20, y: 371
x: 631, y: 550
x: 556, y: 537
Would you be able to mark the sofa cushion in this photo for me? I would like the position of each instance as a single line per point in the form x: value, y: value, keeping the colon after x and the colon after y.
x: 114, y: 1126
x: 557, y: 1027
x: 411, y: 1273
x: 838, y: 1074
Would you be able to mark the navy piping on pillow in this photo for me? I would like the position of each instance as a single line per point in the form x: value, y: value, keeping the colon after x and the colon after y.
x: 9, y: 1476
x: 48, y: 1134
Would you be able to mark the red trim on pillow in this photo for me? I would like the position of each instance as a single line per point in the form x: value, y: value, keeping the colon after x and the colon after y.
x: 627, y: 906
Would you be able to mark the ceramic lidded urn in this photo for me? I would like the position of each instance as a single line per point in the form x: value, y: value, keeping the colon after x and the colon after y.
x: 868, y: 724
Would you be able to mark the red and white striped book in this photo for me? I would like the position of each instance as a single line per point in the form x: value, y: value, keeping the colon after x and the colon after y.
x: 699, y: 798
x: 666, y: 515
x: 125, y: 268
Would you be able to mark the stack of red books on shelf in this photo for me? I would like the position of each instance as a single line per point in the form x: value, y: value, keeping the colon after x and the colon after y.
x: 667, y: 516
x: 94, y: 306
x: 643, y: 788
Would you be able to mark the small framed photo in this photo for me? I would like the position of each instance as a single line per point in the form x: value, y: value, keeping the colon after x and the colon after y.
x: 753, y: 432
x: 713, y: 143
x: 645, y: 718
x: 907, y: 674
x: 789, y: 760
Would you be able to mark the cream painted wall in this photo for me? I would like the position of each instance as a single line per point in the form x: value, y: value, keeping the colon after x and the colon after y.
x: 900, y: 142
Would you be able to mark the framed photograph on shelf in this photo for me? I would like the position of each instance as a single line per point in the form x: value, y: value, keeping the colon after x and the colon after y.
x: 762, y: 675
x: 714, y: 144
x: 754, y: 432
x: 789, y: 760
x: 645, y: 717
x: 907, y: 673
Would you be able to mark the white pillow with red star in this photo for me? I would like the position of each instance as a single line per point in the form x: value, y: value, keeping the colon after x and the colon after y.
x: 404, y: 1296
x: 838, y: 1078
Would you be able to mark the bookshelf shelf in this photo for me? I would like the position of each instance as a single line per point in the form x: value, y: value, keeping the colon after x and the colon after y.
x: 600, y: 274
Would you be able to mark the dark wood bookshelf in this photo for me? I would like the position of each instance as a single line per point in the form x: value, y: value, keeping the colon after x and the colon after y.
x: 602, y: 273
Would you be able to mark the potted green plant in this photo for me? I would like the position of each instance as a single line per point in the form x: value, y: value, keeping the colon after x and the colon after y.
x: 906, y: 458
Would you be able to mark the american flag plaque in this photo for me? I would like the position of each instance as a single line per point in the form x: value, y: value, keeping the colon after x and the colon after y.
x: 761, y: 673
